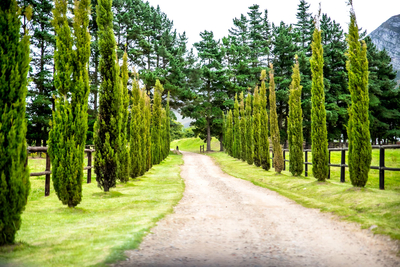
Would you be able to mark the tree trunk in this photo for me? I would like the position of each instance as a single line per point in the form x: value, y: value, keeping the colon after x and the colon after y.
x: 208, y: 135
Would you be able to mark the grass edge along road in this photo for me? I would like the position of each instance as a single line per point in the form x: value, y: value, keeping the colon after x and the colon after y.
x: 365, y: 206
x: 193, y: 144
x: 102, y: 227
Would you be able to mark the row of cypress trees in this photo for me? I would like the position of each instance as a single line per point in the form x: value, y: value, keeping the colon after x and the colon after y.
x: 254, y: 145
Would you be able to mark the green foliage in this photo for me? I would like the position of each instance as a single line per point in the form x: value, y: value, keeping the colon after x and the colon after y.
x: 229, y: 139
x: 242, y: 127
x: 264, y: 143
x: 166, y: 136
x: 236, y: 130
x: 275, y: 136
x: 257, y: 128
x: 295, y: 127
x: 319, y: 133
x: 14, y: 175
x: 249, y: 132
x: 124, y: 155
x: 358, y: 127
x: 148, y: 140
x: 108, y: 124
x: 156, y: 121
x: 136, y: 142
x: 69, y: 127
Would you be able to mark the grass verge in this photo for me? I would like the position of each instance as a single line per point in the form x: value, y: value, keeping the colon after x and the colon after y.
x: 193, y: 144
x: 367, y: 206
x: 103, y: 225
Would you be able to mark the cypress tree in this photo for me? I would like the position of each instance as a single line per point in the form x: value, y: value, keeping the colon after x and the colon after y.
x: 295, y: 124
x: 167, y: 129
x: 143, y: 133
x: 319, y: 135
x: 275, y: 138
x: 156, y: 121
x: 264, y: 143
x: 236, y: 130
x: 229, y: 133
x: 256, y: 128
x: 242, y: 128
x: 124, y: 155
x: 224, y: 130
x: 107, y: 127
x: 163, y: 133
x: 136, y: 140
x: 148, y: 160
x: 358, y: 127
x: 69, y: 127
x: 249, y: 132
x: 14, y: 174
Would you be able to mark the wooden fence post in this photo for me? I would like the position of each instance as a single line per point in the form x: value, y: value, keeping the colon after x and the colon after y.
x: 381, y: 168
x: 306, y: 165
x: 329, y: 167
x: 343, y: 166
x: 284, y: 162
x: 89, y: 171
x: 47, y: 182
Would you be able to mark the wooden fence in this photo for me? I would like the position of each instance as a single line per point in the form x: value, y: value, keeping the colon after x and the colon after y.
x: 202, y: 149
x: 382, y: 168
x: 47, y: 172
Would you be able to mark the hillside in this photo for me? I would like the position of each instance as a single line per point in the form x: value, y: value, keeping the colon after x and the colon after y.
x: 387, y: 36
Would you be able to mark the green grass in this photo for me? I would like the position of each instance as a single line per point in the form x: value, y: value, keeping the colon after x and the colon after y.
x: 193, y: 144
x: 367, y: 206
x: 103, y: 225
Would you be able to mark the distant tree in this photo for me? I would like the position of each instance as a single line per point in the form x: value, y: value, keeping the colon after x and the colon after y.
x: 295, y: 121
x: 108, y: 124
x: 148, y: 140
x: 358, y: 128
x: 69, y: 126
x: 277, y: 150
x: 249, y: 131
x: 229, y: 133
x: 319, y: 135
x: 237, y: 148
x: 257, y: 128
x: 144, y: 129
x: 156, y: 121
x: 167, y: 137
x: 264, y: 143
x: 14, y: 174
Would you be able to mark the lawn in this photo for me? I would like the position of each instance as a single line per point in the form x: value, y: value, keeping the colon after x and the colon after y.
x: 368, y: 206
x: 101, y: 227
x: 193, y: 144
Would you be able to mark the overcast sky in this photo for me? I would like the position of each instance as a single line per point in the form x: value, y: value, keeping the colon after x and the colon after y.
x: 194, y: 17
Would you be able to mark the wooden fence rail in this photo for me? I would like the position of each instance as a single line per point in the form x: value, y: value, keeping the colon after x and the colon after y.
x: 202, y: 149
x: 47, y: 172
x: 382, y: 168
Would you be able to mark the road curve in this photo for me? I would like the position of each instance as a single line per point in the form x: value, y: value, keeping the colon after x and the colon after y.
x: 225, y: 221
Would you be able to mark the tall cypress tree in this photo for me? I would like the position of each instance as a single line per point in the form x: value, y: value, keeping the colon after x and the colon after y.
x: 107, y: 130
x: 229, y: 133
x: 144, y: 137
x: 156, y: 121
x: 68, y: 134
x: 295, y: 124
x: 242, y: 126
x: 124, y: 155
x: 319, y: 135
x: 275, y: 137
x: 148, y: 161
x: 136, y: 140
x: 236, y: 130
x: 358, y: 128
x: 249, y: 131
x: 257, y: 128
x: 167, y: 138
x: 264, y: 143
x: 14, y: 174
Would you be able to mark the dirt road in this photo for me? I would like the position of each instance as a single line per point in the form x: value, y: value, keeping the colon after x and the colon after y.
x: 224, y: 221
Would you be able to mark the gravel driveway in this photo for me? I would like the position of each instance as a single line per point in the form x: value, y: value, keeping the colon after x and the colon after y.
x: 225, y: 221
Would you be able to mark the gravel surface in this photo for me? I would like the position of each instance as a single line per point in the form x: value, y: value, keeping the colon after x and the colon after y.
x: 225, y: 221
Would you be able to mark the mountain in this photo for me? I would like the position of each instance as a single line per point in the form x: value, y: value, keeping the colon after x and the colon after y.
x: 387, y: 36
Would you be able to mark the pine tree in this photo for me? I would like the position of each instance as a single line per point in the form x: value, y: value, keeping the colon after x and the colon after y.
x: 124, y: 155
x: 275, y: 137
x: 264, y: 143
x: 14, y: 174
x: 107, y: 128
x: 295, y: 124
x: 236, y: 130
x: 242, y: 125
x: 249, y: 131
x: 319, y: 135
x: 358, y: 128
x: 156, y: 121
x: 69, y: 127
x: 257, y: 128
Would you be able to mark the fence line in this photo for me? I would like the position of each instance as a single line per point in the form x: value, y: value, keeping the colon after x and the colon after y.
x: 202, y: 149
x: 47, y: 172
x: 382, y: 168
